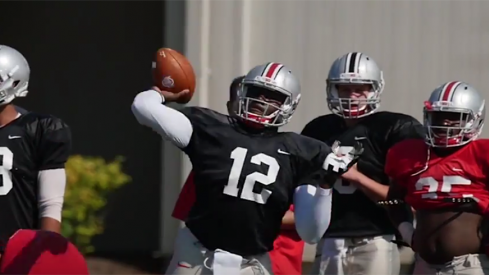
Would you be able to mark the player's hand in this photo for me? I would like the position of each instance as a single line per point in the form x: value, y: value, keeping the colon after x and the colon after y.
x: 169, y: 96
x: 337, y: 164
x: 352, y: 174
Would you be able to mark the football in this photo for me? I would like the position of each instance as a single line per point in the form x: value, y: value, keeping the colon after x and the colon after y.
x: 173, y: 72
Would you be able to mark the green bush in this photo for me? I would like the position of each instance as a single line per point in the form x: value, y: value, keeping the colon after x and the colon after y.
x: 90, y: 181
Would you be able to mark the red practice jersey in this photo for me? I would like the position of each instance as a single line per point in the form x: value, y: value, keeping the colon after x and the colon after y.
x: 287, y: 250
x: 185, y: 200
x: 39, y: 252
x: 428, y: 178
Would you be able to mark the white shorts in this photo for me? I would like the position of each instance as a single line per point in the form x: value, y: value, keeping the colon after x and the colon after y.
x: 370, y: 256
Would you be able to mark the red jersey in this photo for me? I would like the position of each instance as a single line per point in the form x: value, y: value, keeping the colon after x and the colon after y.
x: 41, y: 252
x: 287, y: 250
x: 185, y: 199
x: 429, y: 178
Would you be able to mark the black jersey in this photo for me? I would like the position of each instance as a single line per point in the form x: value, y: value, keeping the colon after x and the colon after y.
x: 354, y: 214
x: 29, y: 144
x: 244, y: 181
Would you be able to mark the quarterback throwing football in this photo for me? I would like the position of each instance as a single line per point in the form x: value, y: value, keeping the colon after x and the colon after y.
x: 246, y: 173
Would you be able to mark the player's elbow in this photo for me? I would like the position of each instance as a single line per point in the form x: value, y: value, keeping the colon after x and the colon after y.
x: 312, y: 212
x: 309, y: 235
x: 139, y: 110
x: 51, y: 208
x: 312, y: 228
x: 52, y: 185
x: 144, y: 104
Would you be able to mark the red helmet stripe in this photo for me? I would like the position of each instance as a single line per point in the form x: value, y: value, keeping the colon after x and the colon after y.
x: 272, y: 70
x: 448, y: 90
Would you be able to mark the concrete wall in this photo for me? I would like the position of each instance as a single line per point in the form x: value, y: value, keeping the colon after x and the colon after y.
x: 419, y: 45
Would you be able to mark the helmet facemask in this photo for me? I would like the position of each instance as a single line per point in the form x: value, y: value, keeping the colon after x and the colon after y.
x: 357, y: 107
x: 265, y: 105
x: 11, y: 87
x: 448, y: 126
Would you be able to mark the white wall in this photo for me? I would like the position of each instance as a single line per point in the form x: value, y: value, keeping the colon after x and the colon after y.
x: 419, y: 45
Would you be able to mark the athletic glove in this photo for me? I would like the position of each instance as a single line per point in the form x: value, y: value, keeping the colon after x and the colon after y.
x: 336, y: 164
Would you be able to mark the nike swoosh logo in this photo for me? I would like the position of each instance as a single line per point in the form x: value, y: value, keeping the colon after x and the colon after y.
x: 360, y: 138
x: 457, y: 169
x: 13, y: 137
x: 283, y: 152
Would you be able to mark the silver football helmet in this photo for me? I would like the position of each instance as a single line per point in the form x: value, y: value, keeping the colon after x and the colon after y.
x: 263, y: 83
x: 350, y: 69
x: 454, y: 115
x: 14, y: 75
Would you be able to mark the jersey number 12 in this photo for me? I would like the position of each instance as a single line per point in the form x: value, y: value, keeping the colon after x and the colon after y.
x: 238, y: 156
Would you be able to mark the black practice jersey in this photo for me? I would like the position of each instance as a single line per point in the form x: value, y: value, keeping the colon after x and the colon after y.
x: 354, y: 214
x: 244, y: 181
x: 29, y: 144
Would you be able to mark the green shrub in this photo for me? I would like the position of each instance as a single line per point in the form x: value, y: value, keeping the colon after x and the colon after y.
x: 90, y: 181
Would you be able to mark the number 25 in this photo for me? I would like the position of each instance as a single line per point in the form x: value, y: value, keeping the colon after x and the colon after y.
x: 239, y: 155
x: 446, y: 185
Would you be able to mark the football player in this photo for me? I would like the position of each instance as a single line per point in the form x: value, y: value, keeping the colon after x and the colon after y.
x: 39, y: 252
x: 33, y: 152
x: 288, y: 248
x: 444, y: 178
x: 245, y: 172
x: 359, y: 238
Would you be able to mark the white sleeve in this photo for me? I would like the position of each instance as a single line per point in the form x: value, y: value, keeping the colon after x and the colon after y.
x: 312, y: 212
x: 52, y: 185
x: 169, y: 123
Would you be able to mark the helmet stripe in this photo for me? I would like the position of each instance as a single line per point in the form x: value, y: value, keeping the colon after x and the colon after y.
x: 347, y: 62
x: 272, y: 69
x: 448, y: 90
x: 353, y: 63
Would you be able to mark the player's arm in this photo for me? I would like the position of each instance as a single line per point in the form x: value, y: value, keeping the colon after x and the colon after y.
x: 373, y: 189
x: 405, y: 128
x: 312, y: 204
x: 313, y: 200
x: 312, y: 212
x: 54, y: 149
x: 171, y: 124
x: 399, y: 212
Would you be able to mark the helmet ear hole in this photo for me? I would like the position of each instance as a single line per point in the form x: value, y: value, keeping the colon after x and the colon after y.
x: 15, y: 84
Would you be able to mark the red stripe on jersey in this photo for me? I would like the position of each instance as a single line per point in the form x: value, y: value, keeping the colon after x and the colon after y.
x: 271, y: 70
x: 448, y: 90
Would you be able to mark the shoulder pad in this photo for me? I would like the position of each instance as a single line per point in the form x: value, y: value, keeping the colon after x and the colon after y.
x: 204, y: 116
x: 52, y: 139
x: 392, y: 116
x: 404, y: 157
x: 320, y: 123
x: 306, y: 147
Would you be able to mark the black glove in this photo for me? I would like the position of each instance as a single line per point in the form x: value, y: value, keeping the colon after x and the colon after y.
x: 337, y: 164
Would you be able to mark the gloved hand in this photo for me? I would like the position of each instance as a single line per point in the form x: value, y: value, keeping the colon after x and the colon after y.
x: 336, y: 164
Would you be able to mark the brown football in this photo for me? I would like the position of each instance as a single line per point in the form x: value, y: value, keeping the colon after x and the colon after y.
x: 173, y: 72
